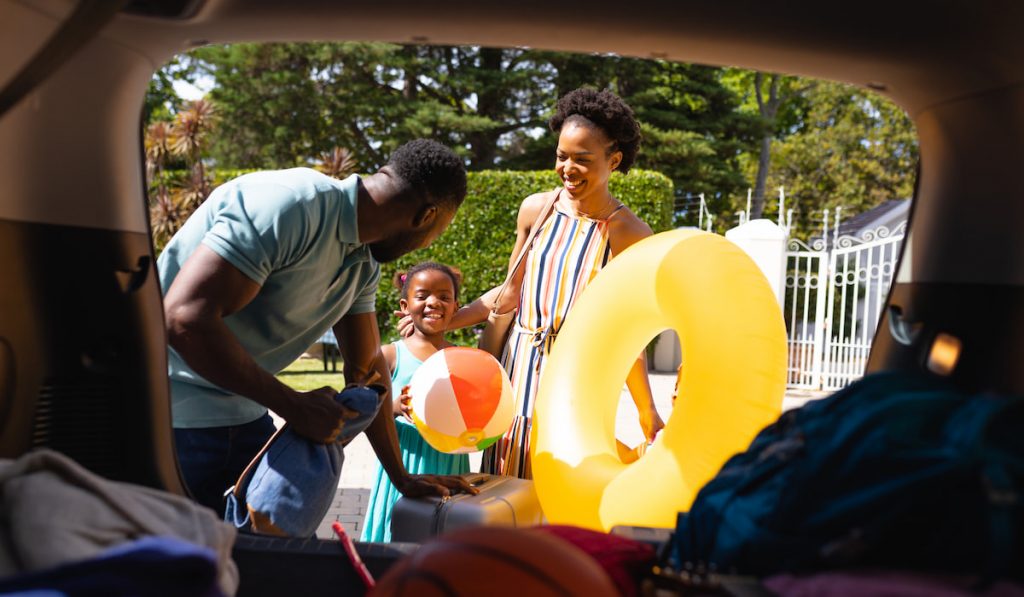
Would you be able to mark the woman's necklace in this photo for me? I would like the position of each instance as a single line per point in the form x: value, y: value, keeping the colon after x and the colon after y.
x: 601, y: 214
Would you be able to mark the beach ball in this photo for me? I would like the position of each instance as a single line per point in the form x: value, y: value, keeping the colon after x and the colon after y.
x: 461, y: 400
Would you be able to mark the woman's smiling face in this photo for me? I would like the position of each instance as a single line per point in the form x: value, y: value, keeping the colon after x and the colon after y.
x: 584, y: 159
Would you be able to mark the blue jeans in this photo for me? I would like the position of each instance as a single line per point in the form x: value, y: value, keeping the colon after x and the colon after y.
x: 212, y: 458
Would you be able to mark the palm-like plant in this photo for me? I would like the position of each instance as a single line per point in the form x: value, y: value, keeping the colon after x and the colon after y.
x: 339, y: 163
x: 166, y: 215
x: 188, y: 139
x: 157, y: 145
x: 185, y: 138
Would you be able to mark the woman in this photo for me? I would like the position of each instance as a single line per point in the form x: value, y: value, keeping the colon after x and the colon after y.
x: 587, y: 226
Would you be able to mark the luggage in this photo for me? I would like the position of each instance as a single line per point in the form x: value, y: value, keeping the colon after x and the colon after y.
x: 502, y: 501
x: 897, y: 471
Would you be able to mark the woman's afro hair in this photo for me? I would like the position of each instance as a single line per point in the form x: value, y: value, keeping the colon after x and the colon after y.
x: 607, y: 112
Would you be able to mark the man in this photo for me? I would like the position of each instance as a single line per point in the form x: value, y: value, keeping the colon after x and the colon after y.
x: 265, y: 265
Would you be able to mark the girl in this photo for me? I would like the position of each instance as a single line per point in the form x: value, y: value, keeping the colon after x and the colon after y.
x: 430, y: 294
x: 597, y: 134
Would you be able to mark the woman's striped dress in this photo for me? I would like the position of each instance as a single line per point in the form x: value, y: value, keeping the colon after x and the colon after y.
x: 567, y: 253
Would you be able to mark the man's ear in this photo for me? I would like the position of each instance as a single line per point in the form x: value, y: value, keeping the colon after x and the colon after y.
x: 425, y: 216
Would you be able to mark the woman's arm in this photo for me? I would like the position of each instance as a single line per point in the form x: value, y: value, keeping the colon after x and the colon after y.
x: 624, y: 229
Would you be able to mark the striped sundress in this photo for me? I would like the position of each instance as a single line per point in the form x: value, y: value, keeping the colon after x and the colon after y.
x: 567, y: 253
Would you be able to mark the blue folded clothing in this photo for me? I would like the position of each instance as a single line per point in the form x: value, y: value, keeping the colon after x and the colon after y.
x: 156, y: 566
x: 289, y: 486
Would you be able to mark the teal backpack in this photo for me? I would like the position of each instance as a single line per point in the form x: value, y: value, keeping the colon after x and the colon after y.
x: 896, y: 471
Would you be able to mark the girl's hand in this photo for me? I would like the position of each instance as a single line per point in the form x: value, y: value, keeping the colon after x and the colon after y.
x: 405, y: 327
x: 400, y: 404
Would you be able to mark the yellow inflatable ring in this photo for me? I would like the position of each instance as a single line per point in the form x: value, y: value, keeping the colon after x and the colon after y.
x: 733, y: 342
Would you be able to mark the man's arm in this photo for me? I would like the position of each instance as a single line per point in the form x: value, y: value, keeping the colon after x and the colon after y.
x: 359, y: 344
x: 205, y: 291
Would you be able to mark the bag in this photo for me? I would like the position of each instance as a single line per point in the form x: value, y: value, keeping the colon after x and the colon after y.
x: 896, y: 471
x: 499, y: 325
x: 288, y: 487
x: 502, y: 501
x: 496, y: 331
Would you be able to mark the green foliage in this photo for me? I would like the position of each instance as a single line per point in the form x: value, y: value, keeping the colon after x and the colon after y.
x: 853, y: 149
x: 285, y: 104
x: 480, y: 240
x: 282, y: 105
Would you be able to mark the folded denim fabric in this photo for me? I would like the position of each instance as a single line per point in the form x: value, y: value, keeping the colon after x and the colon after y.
x: 294, y: 480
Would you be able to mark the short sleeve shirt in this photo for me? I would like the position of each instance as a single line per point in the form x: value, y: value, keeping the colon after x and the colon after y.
x: 294, y: 233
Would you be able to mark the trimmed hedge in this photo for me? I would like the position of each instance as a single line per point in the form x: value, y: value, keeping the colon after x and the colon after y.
x: 480, y: 239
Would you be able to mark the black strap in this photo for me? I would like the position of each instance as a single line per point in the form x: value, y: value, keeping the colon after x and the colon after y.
x: 88, y: 18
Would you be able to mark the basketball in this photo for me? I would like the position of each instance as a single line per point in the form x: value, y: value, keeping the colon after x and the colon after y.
x: 496, y: 561
x: 461, y: 400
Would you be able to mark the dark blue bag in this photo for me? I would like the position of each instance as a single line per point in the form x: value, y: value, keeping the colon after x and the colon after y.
x: 895, y: 471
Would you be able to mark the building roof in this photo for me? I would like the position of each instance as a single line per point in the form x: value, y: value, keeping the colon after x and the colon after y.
x: 880, y: 215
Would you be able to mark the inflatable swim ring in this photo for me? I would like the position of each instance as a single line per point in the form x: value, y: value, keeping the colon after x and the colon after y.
x: 732, y: 383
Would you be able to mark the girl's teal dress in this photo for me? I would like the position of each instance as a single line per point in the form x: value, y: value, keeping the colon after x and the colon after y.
x: 417, y: 456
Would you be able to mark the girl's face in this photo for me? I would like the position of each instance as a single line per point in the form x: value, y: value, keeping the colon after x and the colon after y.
x: 584, y: 161
x: 430, y: 301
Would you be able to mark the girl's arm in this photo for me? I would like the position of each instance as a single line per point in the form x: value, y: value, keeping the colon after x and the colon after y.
x: 390, y: 356
x: 624, y: 229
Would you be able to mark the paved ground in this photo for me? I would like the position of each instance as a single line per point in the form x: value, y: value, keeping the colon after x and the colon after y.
x: 357, y: 475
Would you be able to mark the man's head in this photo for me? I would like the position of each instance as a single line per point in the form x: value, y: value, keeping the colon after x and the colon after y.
x: 428, y: 184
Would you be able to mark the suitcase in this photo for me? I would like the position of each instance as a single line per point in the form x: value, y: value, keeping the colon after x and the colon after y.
x: 502, y: 501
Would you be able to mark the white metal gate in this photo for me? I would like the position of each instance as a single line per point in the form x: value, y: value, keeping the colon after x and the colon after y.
x: 835, y: 291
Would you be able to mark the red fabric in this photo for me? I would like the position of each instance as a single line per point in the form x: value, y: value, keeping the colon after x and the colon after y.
x: 625, y: 560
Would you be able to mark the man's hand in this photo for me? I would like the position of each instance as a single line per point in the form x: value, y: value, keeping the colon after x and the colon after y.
x: 316, y: 415
x: 404, y: 327
x: 419, y: 485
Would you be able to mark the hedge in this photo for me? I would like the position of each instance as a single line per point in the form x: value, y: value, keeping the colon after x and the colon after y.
x: 480, y: 239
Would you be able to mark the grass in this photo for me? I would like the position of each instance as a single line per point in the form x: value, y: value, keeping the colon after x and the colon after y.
x: 308, y: 374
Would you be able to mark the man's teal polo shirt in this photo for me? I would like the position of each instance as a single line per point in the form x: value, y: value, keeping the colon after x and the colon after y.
x: 294, y: 233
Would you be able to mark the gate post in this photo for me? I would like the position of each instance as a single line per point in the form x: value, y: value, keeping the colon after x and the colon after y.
x: 765, y: 242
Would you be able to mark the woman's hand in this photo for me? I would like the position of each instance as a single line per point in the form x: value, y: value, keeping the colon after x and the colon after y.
x: 400, y: 404
x: 404, y: 327
x: 650, y: 422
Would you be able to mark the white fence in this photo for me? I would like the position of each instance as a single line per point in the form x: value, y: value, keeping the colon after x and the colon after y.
x: 835, y: 291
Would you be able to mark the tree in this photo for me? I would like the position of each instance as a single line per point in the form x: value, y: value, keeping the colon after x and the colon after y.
x: 692, y: 131
x: 853, y: 149
x: 285, y: 103
x: 715, y: 132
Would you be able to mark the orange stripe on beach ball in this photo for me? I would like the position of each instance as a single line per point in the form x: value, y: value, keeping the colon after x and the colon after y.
x: 476, y: 380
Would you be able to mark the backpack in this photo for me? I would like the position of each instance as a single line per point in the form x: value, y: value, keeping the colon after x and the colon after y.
x: 895, y: 471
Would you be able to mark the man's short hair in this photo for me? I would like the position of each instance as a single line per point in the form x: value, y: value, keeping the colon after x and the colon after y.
x: 432, y: 169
